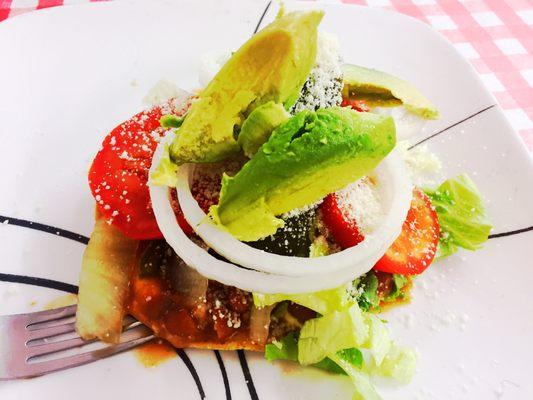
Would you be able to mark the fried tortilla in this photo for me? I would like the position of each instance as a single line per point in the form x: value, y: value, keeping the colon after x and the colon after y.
x: 190, y: 311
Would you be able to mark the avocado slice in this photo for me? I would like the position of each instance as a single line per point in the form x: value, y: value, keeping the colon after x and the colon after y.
x: 306, y: 158
x: 272, y: 66
x: 257, y: 128
x: 379, y: 89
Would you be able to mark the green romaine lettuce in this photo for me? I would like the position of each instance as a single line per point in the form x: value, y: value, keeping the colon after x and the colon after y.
x: 462, y: 217
x: 399, y: 281
x: 368, y: 297
x: 335, y: 331
x: 322, y: 302
x: 284, y: 349
x: 287, y: 349
x: 367, y: 294
x: 399, y: 364
x: 338, y: 338
x: 364, y: 390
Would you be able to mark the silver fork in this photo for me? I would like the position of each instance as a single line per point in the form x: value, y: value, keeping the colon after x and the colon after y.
x: 41, y: 342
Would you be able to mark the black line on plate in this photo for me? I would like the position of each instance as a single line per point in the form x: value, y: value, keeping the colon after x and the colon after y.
x: 42, y: 282
x: 247, y: 375
x: 44, y: 228
x: 451, y: 126
x: 510, y: 233
x: 190, y: 366
x: 224, y: 374
x: 262, y: 16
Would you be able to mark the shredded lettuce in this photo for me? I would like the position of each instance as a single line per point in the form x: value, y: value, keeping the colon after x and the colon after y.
x: 351, y: 328
x: 399, y: 364
x: 364, y: 390
x: 462, y: 217
x: 166, y: 172
x: 322, y: 302
x: 327, y: 364
x: 287, y: 349
x: 337, y: 339
x: 335, y: 331
x: 368, y: 297
x: 399, y: 282
x: 284, y: 349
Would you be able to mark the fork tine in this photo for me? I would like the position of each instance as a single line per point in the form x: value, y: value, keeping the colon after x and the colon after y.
x: 50, y: 331
x: 140, y: 336
x: 48, y: 315
x: 54, y: 347
x: 44, y: 348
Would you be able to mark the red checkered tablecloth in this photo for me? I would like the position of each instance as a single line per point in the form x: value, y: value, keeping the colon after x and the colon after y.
x: 496, y: 36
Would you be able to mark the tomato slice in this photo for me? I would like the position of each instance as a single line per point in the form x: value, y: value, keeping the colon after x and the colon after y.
x: 344, y: 232
x: 119, y: 174
x: 357, y: 105
x: 413, y: 251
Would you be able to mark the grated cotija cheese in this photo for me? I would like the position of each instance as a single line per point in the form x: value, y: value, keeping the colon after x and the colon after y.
x: 423, y: 166
x: 324, y: 85
x: 360, y: 202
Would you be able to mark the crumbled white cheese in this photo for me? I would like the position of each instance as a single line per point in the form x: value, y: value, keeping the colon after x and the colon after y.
x: 423, y: 166
x: 324, y: 85
x: 162, y: 91
x: 360, y: 202
x: 302, y: 210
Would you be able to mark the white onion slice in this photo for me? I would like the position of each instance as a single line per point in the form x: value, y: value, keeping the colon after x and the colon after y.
x: 396, y: 191
x: 231, y: 274
x: 256, y: 279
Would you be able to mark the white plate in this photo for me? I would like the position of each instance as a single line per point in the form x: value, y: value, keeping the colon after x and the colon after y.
x: 70, y: 74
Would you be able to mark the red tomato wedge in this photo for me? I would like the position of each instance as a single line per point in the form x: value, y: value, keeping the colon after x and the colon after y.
x: 413, y: 251
x: 357, y: 105
x: 344, y: 232
x: 119, y: 174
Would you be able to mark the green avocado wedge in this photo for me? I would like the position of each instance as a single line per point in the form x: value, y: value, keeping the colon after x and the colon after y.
x: 307, y: 157
x: 272, y: 66
x: 379, y: 89
x: 257, y: 128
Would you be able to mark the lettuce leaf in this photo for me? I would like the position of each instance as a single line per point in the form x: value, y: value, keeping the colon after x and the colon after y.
x: 322, y: 302
x: 368, y: 297
x: 462, y: 217
x: 287, y: 349
x: 399, y: 282
x: 399, y: 364
x: 339, y: 338
x: 364, y: 390
x: 284, y: 349
x: 367, y: 294
x: 326, y: 335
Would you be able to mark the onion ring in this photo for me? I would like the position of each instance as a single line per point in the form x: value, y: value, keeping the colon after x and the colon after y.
x: 259, y: 278
x: 397, y: 191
